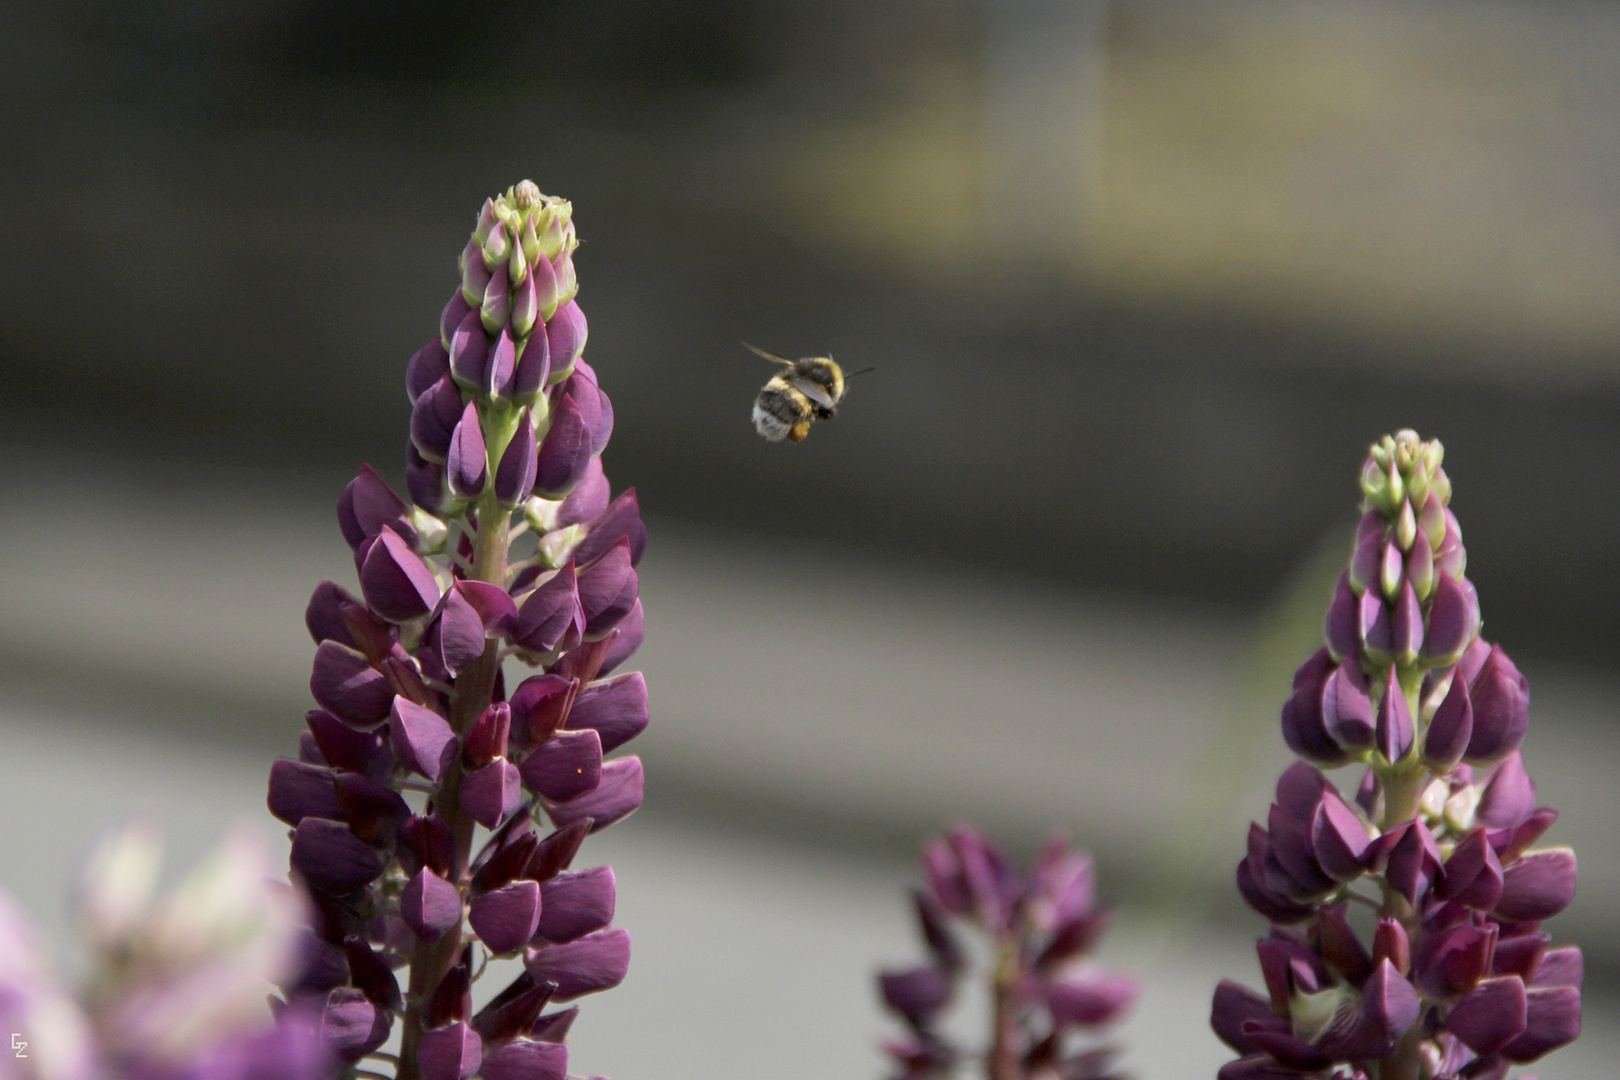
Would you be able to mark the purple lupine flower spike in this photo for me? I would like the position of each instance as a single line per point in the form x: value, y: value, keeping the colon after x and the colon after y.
x: 1044, y: 993
x: 1457, y: 981
x: 509, y: 545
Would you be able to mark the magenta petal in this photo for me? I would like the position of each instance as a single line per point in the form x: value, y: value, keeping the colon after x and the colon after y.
x: 1560, y: 967
x: 1538, y: 886
x: 419, y: 737
x: 1406, y: 628
x: 331, y: 857
x: 565, y: 766
x: 564, y: 453
x: 1492, y: 1015
x: 566, y: 332
x: 1414, y: 861
x: 1393, y: 731
x: 587, y: 501
x: 1510, y: 794
x: 1338, y: 838
x: 607, y: 589
x: 595, y: 962
x: 298, y: 791
x: 450, y: 1053
x: 617, y: 796
x: 1389, y: 1007
x: 346, y: 685
x: 1553, y: 1019
x: 396, y: 582
x: 467, y: 461
x: 1347, y: 709
x: 1376, y: 632
x: 1453, y: 622
x: 514, y: 476
x: 1234, y: 1007
x: 505, y: 919
x: 1090, y: 1000
x: 430, y: 905
x: 1340, y: 628
x: 1473, y: 874
x: 1453, y: 960
x: 525, y: 1059
x: 492, y: 793
x: 577, y: 903
x: 615, y: 708
x: 343, y: 747
x: 533, y: 367
x: 1302, y: 722
x: 501, y: 366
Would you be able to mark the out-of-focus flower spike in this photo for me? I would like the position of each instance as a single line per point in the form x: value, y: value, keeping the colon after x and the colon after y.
x: 506, y: 918
x: 616, y: 797
x: 595, y: 962
x: 916, y: 993
x: 430, y: 905
x: 1091, y: 1000
x: 467, y: 461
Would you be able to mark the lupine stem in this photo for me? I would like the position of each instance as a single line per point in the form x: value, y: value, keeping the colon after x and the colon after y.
x: 1006, y: 1034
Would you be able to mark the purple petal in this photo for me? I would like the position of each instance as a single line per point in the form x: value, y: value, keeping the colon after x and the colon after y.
x: 501, y: 367
x: 324, y: 615
x: 492, y: 793
x: 457, y: 631
x: 493, y: 604
x: 576, y: 904
x: 1406, y: 629
x: 1520, y: 955
x: 587, y: 501
x: 1391, y: 944
x: 1538, y: 886
x: 1452, y: 961
x: 615, y: 798
x: 1389, y: 1007
x: 564, y: 453
x: 550, y: 617
x: 298, y: 791
x: 607, y: 589
x: 433, y: 419
x: 595, y: 962
x: 505, y: 919
x: 428, y: 841
x: 538, y: 705
x: 1261, y: 1066
x: 1510, y: 794
x: 533, y: 366
x: 1302, y: 723
x: 524, y: 1059
x: 1236, y: 1006
x: 1376, y: 631
x: 420, y: 738
x: 615, y: 708
x: 454, y: 312
x: 1393, y: 731
x: 1501, y: 698
x: 450, y: 1053
x: 1511, y: 841
x: 430, y: 364
x: 553, y: 1027
x: 1339, y: 945
x: 396, y: 582
x: 1491, y: 1016
x: 345, y: 684
x: 467, y: 461
x: 1338, y: 838
x: 373, y: 812
x: 1347, y: 709
x: 1450, y: 730
x: 1553, y: 1019
x: 566, y: 766
x: 430, y: 905
x: 1560, y: 967
x: 556, y: 852
x: 488, y: 737
x: 566, y: 331
x: 514, y: 477
x: 544, y: 276
x: 469, y: 352
x: 916, y: 993
x: 1472, y: 875
x: 1366, y: 559
x: 331, y: 857
x: 1453, y: 621
x: 371, y: 974
x: 1090, y: 1000
x: 367, y: 505
x: 1340, y: 628
x: 627, y: 638
x: 1414, y: 861
x: 426, y: 482
x: 340, y: 745
x: 622, y: 518
x: 351, y: 1026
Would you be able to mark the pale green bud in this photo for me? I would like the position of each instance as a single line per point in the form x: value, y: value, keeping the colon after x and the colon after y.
x: 1405, y: 526
x: 555, y: 546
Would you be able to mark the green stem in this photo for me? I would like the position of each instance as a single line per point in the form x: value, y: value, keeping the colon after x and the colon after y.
x: 1005, y: 1060
x: 475, y: 688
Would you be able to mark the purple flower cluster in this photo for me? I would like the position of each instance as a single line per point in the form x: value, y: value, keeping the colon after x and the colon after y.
x: 1443, y: 973
x: 507, y: 428
x: 1037, y: 928
x: 175, y: 987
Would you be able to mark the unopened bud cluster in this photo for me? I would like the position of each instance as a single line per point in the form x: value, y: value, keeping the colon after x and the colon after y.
x: 509, y: 545
x: 1034, y: 930
x: 1456, y: 980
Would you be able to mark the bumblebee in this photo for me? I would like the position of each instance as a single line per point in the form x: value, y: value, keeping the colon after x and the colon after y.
x: 806, y: 390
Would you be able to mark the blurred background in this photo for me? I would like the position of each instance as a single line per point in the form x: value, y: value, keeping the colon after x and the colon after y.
x: 1141, y: 279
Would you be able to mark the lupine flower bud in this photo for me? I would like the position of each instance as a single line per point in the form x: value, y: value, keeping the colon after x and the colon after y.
x: 1449, y: 985
x: 412, y: 697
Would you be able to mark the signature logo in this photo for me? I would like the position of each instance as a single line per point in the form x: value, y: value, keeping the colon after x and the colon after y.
x: 19, y: 1045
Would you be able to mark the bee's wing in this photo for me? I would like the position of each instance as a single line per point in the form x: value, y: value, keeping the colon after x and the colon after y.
x: 757, y: 351
x: 813, y: 391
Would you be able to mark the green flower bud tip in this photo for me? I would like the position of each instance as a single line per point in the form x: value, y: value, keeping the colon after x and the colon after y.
x: 555, y: 546
x: 541, y: 514
x: 529, y: 242
x: 1433, y: 519
x: 431, y: 532
x: 497, y: 247
x: 517, y: 267
x: 1395, y: 491
x: 1405, y: 526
